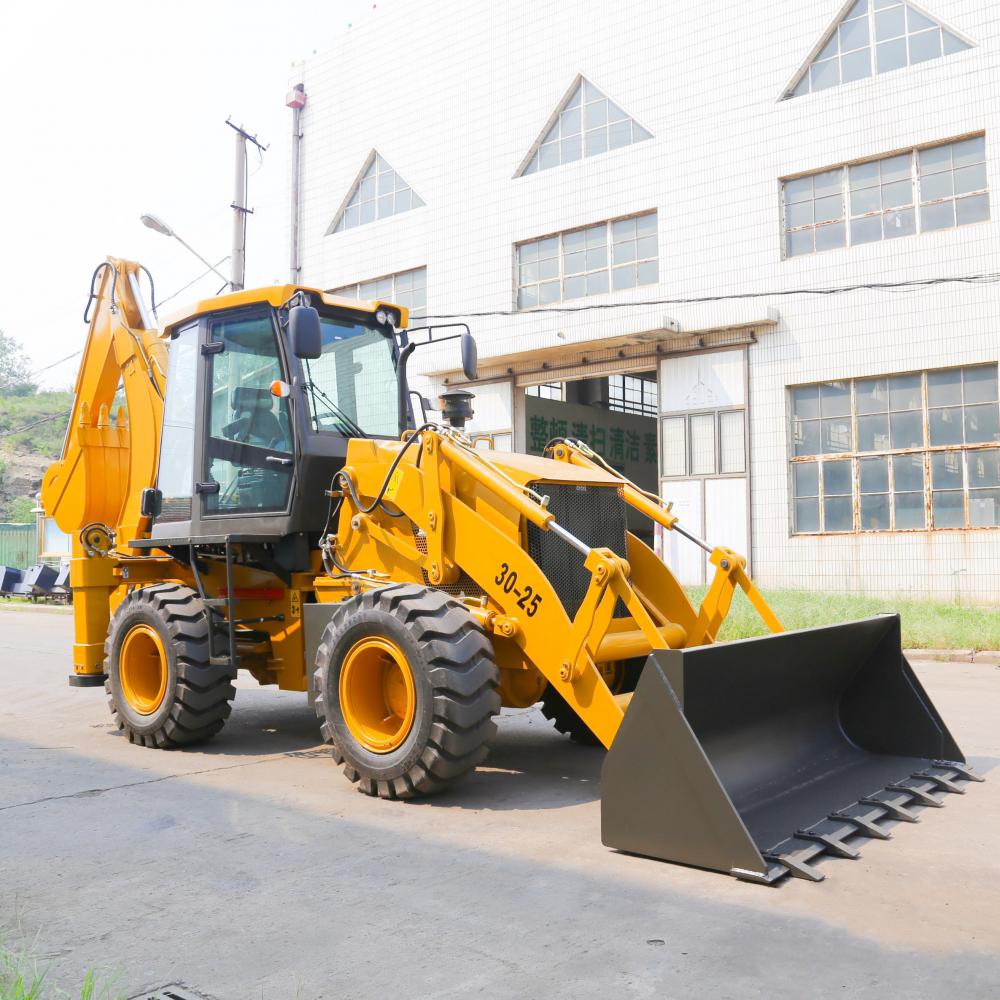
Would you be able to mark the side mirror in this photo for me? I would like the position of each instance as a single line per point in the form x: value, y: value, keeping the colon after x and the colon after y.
x: 470, y: 356
x: 150, y: 502
x: 304, y: 332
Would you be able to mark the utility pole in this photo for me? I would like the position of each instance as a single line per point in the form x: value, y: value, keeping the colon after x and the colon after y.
x: 239, y: 206
x: 296, y: 100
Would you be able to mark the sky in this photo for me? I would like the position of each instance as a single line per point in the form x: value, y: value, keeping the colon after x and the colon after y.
x: 112, y: 110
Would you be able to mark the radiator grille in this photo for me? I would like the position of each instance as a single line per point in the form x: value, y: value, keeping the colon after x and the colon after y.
x: 463, y: 587
x: 596, y: 515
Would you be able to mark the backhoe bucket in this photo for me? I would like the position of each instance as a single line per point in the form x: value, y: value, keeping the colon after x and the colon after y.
x: 755, y: 757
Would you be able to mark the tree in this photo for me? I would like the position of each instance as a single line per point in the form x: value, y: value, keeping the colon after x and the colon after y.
x: 15, y: 369
x: 21, y: 510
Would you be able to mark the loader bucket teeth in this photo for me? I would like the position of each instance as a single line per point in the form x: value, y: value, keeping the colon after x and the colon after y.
x: 759, y: 757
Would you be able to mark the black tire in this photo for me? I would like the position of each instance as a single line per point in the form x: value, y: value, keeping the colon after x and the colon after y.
x: 456, y: 689
x: 565, y: 719
x: 198, y: 694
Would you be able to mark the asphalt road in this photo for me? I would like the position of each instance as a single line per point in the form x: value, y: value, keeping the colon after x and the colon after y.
x: 252, y: 869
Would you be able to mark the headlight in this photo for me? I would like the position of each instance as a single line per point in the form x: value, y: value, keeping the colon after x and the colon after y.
x: 387, y: 317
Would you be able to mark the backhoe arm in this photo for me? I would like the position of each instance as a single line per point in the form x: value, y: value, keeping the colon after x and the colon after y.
x: 108, y: 457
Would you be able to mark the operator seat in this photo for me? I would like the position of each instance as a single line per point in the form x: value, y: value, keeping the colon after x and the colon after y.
x: 255, y: 422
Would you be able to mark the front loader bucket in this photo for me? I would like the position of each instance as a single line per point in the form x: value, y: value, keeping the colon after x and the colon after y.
x: 755, y: 757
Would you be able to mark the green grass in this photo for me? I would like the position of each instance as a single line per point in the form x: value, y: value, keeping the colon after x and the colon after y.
x: 926, y: 624
x: 23, y: 978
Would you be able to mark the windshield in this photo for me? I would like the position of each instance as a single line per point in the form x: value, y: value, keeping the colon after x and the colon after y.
x: 351, y: 388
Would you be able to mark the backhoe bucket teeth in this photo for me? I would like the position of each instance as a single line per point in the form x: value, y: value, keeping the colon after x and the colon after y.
x: 757, y: 757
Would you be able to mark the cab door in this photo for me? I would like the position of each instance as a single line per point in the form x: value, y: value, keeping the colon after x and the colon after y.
x: 248, y: 464
x: 175, y: 474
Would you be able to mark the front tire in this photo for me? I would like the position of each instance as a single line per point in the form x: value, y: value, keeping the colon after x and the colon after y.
x: 406, y: 690
x: 162, y: 690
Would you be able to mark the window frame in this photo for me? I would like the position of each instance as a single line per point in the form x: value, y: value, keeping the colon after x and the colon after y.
x: 352, y: 290
x: 554, y: 391
x: 685, y: 416
x: 178, y: 506
x: 531, y: 164
x: 354, y: 199
x: 925, y: 451
x: 915, y: 204
x: 871, y: 45
x: 203, y: 456
x: 642, y: 408
x: 560, y: 257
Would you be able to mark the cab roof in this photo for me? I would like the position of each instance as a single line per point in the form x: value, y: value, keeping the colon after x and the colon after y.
x: 277, y: 295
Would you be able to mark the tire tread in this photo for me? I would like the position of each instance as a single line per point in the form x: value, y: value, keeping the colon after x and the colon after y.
x: 203, y: 692
x: 464, y: 679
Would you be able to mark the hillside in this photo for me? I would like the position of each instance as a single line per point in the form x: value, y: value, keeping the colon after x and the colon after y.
x: 31, y: 435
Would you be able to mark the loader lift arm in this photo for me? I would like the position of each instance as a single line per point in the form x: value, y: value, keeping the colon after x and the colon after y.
x: 460, y: 540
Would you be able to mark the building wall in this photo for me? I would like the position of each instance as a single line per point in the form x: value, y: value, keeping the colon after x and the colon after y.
x: 453, y: 97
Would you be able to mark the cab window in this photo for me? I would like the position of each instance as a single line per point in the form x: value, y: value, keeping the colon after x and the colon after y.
x: 351, y: 387
x: 177, y: 443
x: 249, y: 448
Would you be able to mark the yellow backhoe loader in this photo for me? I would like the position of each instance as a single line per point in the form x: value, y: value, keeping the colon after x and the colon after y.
x: 267, y: 499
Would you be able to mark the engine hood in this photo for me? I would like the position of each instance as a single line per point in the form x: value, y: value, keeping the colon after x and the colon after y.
x: 526, y: 469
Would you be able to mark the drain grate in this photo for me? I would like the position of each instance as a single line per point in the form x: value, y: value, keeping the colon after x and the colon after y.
x: 172, y: 992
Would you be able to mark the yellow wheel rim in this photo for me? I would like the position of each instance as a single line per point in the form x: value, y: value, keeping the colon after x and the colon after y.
x: 142, y: 669
x: 613, y: 674
x: 377, y: 695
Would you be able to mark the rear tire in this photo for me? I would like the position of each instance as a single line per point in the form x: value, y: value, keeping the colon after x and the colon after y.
x: 436, y: 684
x: 624, y: 678
x: 162, y: 690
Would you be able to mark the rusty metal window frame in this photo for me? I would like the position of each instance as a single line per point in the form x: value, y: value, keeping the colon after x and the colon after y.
x: 900, y: 490
x: 543, y: 273
x: 896, y: 216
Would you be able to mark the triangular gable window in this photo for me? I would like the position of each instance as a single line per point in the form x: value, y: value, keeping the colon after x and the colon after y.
x: 377, y: 193
x: 586, y: 123
x: 875, y: 36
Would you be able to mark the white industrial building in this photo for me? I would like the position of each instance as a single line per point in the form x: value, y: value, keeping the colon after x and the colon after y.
x: 629, y: 203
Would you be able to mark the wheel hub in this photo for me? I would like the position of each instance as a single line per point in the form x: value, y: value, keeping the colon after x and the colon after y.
x: 142, y: 669
x: 377, y: 694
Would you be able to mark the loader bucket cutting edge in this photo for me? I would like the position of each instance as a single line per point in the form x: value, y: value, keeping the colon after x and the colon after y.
x: 756, y: 757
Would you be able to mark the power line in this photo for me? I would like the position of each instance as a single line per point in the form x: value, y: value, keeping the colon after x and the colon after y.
x: 193, y: 281
x: 888, y: 286
x: 54, y: 363
x: 27, y: 427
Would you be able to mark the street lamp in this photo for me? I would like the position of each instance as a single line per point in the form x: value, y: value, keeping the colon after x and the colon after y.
x: 158, y: 225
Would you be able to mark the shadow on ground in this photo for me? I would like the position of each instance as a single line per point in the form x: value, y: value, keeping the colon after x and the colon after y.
x: 245, y: 893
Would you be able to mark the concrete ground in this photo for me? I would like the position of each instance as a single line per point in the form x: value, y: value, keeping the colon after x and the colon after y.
x: 251, y: 868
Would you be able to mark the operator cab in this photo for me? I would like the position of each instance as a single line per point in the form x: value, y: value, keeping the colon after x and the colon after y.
x: 264, y: 391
